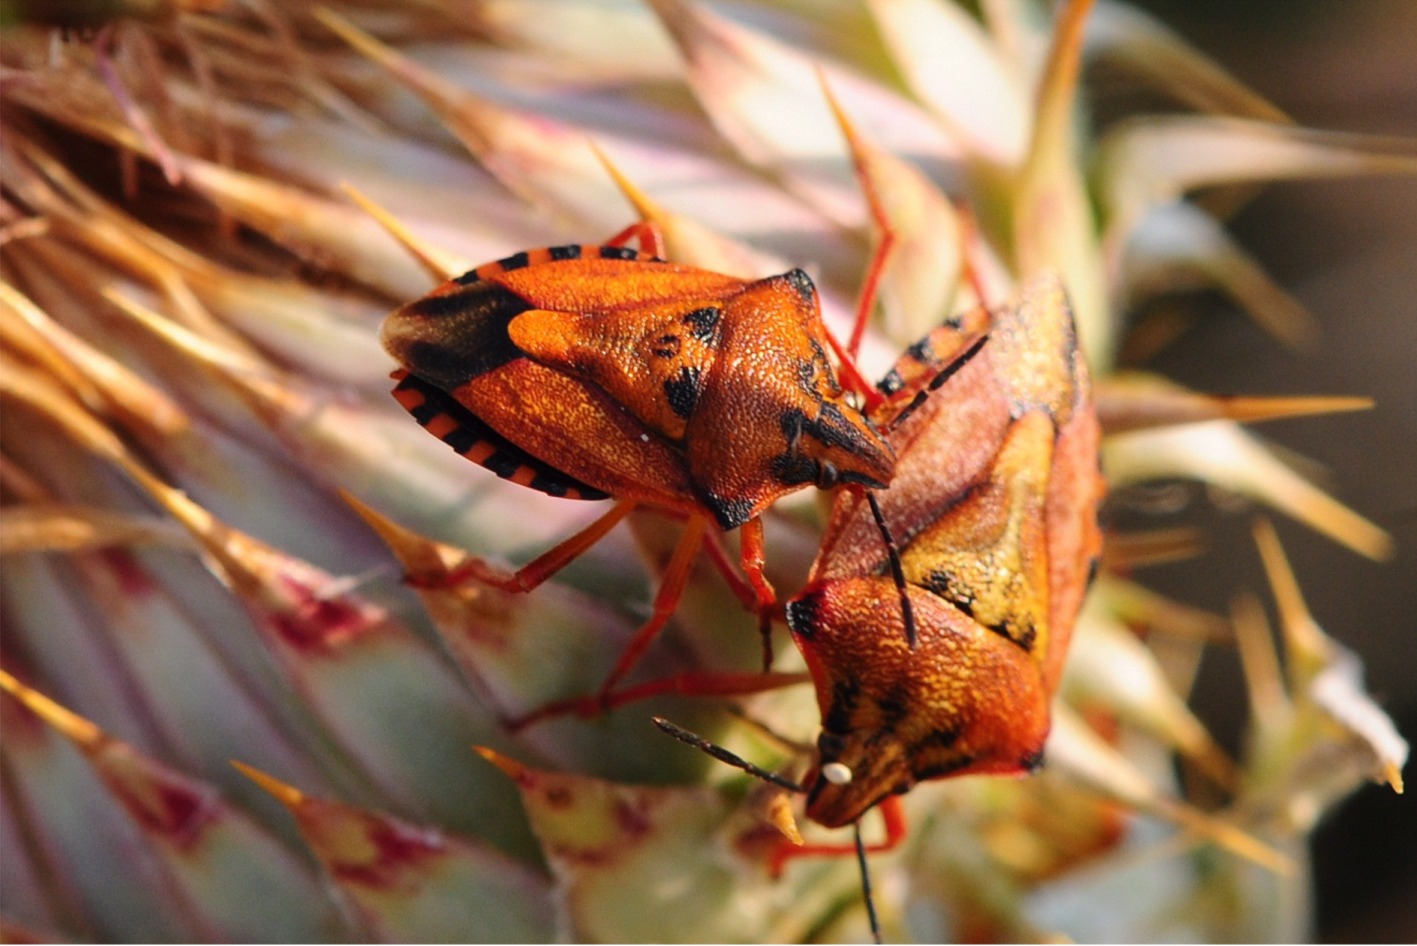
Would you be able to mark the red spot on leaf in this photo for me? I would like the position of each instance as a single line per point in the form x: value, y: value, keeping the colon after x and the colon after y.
x: 312, y: 623
x: 167, y: 804
x: 132, y: 578
x: 396, y: 852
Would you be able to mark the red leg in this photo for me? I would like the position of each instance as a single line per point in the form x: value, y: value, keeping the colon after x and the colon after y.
x: 680, y: 684
x: 744, y: 592
x: 646, y: 233
x: 671, y: 589
x: 537, y: 570
x: 893, y: 816
x: 754, y: 557
x: 851, y: 376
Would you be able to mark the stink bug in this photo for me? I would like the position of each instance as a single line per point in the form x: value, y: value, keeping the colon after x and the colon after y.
x: 591, y: 371
x: 994, y: 506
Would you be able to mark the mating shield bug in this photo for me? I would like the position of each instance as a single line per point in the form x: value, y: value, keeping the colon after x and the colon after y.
x: 591, y: 371
x: 994, y: 509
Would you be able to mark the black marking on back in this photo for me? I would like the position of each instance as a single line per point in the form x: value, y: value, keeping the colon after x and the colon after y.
x: 921, y: 351
x: 618, y: 252
x: 948, y: 768
x: 573, y: 251
x: 468, y: 278
x: 461, y: 439
x: 504, y: 463
x: 943, y: 375
x: 830, y: 428
x: 683, y: 391
x: 833, y: 429
x: 945, y: 585
x: 891, y: 383
x: 703, y: 324
x: 938, y: 739
x: 472, y: 339
x: 822, y: 369
x: 542, y: 484
x: 793, y: 469
x: 954, y: 366
x: 790, y: 467
x: 800, y: 281
x: 894, y: 707
x: 1032, y: 762
x: 443, y: 304
x: 516, y: 261
x: 425, y: 412
x: 667, y: 346
x: 802, y: 614
x: 509, y: 458
x: 845, y: 695
x: 1023, y: 635
x: 729, y: 513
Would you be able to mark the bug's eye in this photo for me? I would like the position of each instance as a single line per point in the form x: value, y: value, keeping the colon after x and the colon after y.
x: 827, y: 475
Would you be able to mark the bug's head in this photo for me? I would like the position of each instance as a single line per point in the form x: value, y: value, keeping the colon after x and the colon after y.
x: 829, y: 441
x: 965, y: 700
x: 834, y: 446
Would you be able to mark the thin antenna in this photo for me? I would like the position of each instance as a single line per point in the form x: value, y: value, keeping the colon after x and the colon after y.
x: 724, y: 756
x: 897, y: 570
x: 728, y: 758
x: 866, y: 886
x: 945, y: 373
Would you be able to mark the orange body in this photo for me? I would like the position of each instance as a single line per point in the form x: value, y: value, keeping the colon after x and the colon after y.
x: 994, y: 508
x: 591, y: 371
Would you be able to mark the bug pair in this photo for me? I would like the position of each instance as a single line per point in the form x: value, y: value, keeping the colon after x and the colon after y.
x: 935, y: 618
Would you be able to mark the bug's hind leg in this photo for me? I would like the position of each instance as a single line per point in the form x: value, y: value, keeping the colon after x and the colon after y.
x: 534, y: 572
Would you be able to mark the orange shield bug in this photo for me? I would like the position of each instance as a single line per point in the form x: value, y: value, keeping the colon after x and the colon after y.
x: 592, y: 371
x: 994, y: 508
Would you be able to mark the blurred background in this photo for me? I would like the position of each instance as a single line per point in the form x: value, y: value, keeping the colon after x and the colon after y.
x: 1348, y: 251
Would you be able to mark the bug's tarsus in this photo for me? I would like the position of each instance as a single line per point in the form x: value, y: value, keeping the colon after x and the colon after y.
x: 907, y: 613
x: 870, y: 901
x: 765, y: 632
x: 944, y: 374
x: 724, y: 756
